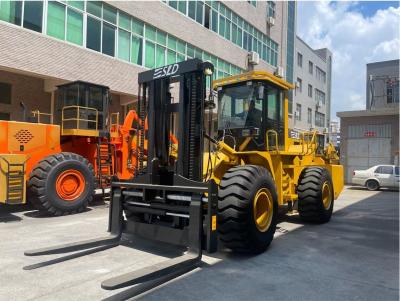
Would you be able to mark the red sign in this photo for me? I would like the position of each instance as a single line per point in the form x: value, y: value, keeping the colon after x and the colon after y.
x: 369, y: 134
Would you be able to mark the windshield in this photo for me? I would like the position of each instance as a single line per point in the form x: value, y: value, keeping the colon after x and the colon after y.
x: 239, y: 107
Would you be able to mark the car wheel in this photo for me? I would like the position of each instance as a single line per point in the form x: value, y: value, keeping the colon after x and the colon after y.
x: 372, y: 185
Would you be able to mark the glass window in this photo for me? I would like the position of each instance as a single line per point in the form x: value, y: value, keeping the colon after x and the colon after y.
x: 182, y: 6
x: 221, y: 25
x: 150, y: 55
x: 33, y: 15
x: 160, y: 56
x: 10, y: 11
x: 93, y: 35
x: 77, y: 4
x: 387, y: 170
x: 108, y: 45
x: 4, y: 116
x: 56, y: 20
x: 228, y: 30
x: 161, y: 37
x: 192, y: 10
x: 124, y: 21
x: 180, y: 57
x: 207, y: 16
x: 190, y: 51
x: 123, y: 44
x: 309, y: 116
x: 150, y: 33
x: 214, y: 21
x: 310, y: 67
x: 396, y: 170
x: 5, y: 93
x: 298, y: 112
x: 171, y: 42
x: 137, y: 26
x: 173, y: 4
x: 136, y: 50
x: 299, y: 84
x: 74, y: 27
x: 181, y: 47
x: 171, y: 57
x: 309, y: 90
x: 94, y: 8
x: 199, y: 12
x: 299, y: 59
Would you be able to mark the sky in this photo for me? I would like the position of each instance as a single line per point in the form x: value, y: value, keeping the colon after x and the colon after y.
x: 357, y: 33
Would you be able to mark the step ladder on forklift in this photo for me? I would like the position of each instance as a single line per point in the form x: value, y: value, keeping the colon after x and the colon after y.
x: 166, y: 201
x: 15, y: 181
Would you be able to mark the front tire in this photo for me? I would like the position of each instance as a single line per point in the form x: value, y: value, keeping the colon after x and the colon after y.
x: 315, y: 191
x: 247, y: 209
x: 62, y: 184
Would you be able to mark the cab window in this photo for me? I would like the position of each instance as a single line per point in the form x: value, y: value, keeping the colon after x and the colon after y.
x: 385, y: 170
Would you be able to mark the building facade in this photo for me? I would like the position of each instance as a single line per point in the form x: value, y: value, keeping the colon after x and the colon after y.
x: 46, y: 43
x: 382, y: 85
x: 312, y: 95
x: 371, y: 137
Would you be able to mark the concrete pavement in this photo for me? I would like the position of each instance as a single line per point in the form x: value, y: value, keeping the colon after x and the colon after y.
x: 354, y: 257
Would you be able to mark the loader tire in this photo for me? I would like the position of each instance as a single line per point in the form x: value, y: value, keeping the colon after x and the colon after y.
x: 62, y: 184
x: 316, y: 197
x: 247, y: 209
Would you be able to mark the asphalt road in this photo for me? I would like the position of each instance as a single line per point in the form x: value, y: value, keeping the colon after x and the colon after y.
x: 354, y: 257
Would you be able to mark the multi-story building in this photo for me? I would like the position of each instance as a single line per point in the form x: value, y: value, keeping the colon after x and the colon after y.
x: 334, y: 133
x: 312, y: 95
x: 371, y: 137
x: 46, y: 43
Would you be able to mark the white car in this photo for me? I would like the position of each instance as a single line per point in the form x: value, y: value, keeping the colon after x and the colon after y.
x: 377, y: 176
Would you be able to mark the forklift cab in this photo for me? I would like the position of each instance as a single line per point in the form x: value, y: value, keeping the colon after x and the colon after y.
x: 82, y: 108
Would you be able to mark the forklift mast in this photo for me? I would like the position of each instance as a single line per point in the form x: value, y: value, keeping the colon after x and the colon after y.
x: 157, y: 106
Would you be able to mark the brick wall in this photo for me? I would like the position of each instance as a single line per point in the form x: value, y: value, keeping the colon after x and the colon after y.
x: 27, y: 89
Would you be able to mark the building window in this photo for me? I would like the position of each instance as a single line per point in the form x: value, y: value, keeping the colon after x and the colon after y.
x: 4, y: 116
x: 309, y: 90
x: 319, y: 96
x: 321, y: 75
x: 271, y: 7
x: 124, y: 44
x: 299, y: 85
x: 319, y: 119
x: 392, y: 91
x: 74, y: 27
x: 309, y: 116
x: 93, y: 34
x: 299, y: 59
x: 56, y: 20
x: 310, y: 67
x: 33, y: 15
x: 298, y: 112
x: 10, y: 11
x: 5, y: 93
x: 108, y: 41
x: 253, y: 2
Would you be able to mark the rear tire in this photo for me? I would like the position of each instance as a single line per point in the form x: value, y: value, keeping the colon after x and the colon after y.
x: 315, y: 191
x: 247, y: 209
x: 372, y: 185
x: 62, y: 184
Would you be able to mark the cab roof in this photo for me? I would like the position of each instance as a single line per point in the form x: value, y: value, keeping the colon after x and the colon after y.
x: 253, y: 75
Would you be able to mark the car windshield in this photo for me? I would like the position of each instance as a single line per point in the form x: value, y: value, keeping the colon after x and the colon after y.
x: 239, y: 107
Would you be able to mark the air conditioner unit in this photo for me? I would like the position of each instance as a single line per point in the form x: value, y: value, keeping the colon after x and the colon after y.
x: 297, y: 85
x: 271, y: 21
x: 253, y: 58
x: 296, y: 114
x: 280, y: 72
x: 319, y: 104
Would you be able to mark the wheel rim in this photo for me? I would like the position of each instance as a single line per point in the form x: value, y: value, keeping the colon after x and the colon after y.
x: 70, y: 184
x: 263, y: 209
x: 372, y: 185
x: 326, y: 195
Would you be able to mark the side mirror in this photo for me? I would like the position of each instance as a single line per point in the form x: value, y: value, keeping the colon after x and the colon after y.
x: 260, y: 92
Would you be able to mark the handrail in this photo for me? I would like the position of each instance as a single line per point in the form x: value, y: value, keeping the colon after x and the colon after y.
x: 114, y: 125
x: 37, y: 113
x: 78, y: 119
x: 275, y: 133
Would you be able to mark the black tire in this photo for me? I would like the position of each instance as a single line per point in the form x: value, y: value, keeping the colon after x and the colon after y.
x: 42, y: 184
x: 237, y: 229
x: 310, y: 203
x: 372, y: 185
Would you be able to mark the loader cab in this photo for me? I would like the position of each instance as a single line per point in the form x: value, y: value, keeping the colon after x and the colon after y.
x: 251, y: 112
x: 82, y: 108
